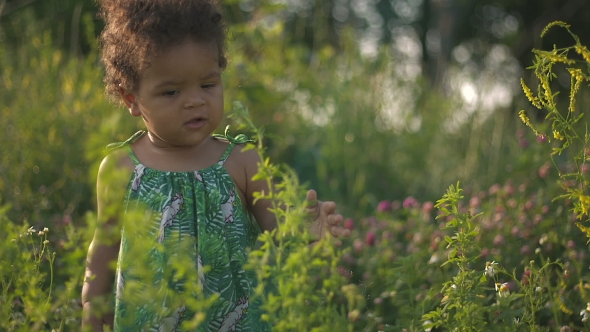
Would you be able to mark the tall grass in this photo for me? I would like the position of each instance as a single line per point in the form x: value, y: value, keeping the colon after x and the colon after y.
x: 322, y: 112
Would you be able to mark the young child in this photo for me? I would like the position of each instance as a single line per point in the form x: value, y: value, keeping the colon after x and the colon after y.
x: 164, y: 60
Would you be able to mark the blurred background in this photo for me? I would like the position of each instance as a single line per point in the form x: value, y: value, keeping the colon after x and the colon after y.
x: 367, y: 100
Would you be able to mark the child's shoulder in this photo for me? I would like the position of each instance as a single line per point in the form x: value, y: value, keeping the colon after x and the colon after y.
x: 115, y: 161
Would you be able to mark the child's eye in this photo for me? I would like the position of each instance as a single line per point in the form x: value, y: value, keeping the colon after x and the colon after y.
x: 208, y: 86
x: 171, y: 93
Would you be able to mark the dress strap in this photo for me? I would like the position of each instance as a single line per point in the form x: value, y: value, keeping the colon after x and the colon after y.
x: 127, y: 145
x: 239, y: 139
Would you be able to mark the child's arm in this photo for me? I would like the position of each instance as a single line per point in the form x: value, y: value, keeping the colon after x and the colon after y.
x: 103, y: 250
x: 323, y: 214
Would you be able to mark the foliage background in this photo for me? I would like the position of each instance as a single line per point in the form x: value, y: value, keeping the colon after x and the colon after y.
x: 368, y: 101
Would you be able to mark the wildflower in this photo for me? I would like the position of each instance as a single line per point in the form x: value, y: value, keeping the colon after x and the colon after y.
x: 384, y: 206
x: 428, y: 326
x: 45, y: 230
x: 552, y: 24
x: 370, y: 238
x: 534, y: 100
x: 544, y: 238
x: 585, y: 312
x: 491, y: 269
x: 46, y: 242
x: 538, y: 289
x: 502, y: 289
x: 41, y: 233
x: 576, y: 82
x: 583, y: 51
x: 354, y: 315
x: 31, y: 230
x: 541, y: 138
x: 349, y: 224
x: 358, y: 245
x: 435, y: 258
x: 410, y: 202
x: 558, y: 135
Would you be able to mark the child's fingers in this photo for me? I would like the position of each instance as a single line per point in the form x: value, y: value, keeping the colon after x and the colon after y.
x: 312, y: 198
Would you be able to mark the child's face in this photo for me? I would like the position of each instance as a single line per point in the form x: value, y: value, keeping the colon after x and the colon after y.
x: 180, y: 95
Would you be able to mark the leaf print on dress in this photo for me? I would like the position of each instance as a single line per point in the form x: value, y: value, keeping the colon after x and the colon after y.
x: 232, y: 318
x: 227, y: 208
x: 137, y: 174
x: 170, y: 323
x: 199, y: 177
x: 168, y: 215
x: 201, y: 272
x: 120, y: 284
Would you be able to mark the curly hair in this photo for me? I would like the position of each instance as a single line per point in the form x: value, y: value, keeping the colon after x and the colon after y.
x: 136, y: 30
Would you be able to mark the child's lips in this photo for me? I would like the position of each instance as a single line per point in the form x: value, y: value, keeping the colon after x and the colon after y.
x: 195, y: 123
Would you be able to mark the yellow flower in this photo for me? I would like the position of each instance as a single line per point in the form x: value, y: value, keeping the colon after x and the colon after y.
x: 583, y: 51
x: 577, y: 78
x: 552, y: 24
x: 558, y: 135
x: 529, y: 94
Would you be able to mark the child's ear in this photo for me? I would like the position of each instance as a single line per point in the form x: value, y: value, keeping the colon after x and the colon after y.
x: 130, y: 101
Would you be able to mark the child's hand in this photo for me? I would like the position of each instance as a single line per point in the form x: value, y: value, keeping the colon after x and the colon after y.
x: 324, y: 218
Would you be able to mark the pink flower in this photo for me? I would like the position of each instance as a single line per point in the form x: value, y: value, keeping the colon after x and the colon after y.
x: 427, y: 207
x: 515, y: 231
x: 410, y: 202
x: 475, y: 202
x: 542, y: 139
x: 524, y: 143
x: 67, y: 219
x: 494, y: 189
x: 370, y: 238
x: 498, y: 240
x: 544, y: 171
x: 349, y: 223
x: 358, y: 245
x: 384, y: 206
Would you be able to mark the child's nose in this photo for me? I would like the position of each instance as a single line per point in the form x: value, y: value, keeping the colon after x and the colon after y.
x: 195, y: 99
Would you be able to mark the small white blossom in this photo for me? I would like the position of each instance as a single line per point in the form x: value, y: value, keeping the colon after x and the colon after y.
x: 41, y: 233
x: 543, y: 239
x: 491, y: 270
x: 45, y: 229
x: 428, y: 329
x: 435, y: 258
x: 585, y: 313
x: 502, y: 289
x: 538, y: 289
x: 31, y: 230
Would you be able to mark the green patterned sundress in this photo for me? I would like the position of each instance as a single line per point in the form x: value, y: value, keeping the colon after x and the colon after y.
x: 188, y: 244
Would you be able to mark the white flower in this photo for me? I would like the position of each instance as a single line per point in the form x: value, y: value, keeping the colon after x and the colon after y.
x: 31, y: 230
x: 41, y: 233
x: 428, y: 329
x: 435, y: 258
x: 538, y: 289
x: 502, y: 289
x: 45, y: 230
x: 491, y: 270
x: 585, y: 312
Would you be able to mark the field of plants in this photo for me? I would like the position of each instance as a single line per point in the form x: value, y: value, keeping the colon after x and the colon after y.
x: 480, y: 228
